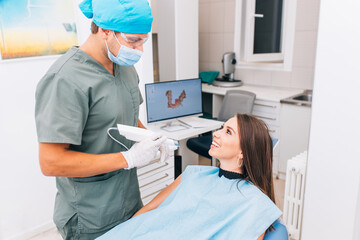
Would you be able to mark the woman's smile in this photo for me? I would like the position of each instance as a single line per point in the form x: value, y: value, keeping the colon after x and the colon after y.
x: 214, y: 145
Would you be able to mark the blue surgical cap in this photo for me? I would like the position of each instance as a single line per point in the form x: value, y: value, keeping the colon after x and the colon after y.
x: 128, y: 16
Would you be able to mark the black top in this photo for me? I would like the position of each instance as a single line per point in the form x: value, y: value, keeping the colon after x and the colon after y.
x: 230, y: 175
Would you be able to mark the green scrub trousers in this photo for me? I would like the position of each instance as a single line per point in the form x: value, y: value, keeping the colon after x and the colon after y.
x: 77, y: 101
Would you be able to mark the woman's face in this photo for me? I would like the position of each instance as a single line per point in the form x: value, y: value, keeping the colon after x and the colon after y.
x: 226, y: 144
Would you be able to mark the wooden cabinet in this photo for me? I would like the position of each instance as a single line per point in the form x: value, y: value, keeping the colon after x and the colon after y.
x: 154, y: 177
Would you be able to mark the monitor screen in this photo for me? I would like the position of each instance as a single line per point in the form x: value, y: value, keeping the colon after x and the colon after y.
x: 166, y: 100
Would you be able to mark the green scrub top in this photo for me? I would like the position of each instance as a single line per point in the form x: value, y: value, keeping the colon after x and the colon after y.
x: 77, y: 101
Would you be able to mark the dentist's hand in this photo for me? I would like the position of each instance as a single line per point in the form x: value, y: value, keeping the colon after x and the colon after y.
x: 167, y: 151
x: 143, y: 152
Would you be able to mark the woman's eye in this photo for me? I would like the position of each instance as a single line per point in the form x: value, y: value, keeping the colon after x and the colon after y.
x: 228, y: 131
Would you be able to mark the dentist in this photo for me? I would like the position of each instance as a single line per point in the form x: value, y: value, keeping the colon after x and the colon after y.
x: 85, y: 92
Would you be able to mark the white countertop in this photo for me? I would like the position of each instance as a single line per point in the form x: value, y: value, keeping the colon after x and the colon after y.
x: 262, y: 92
x: 196, y: 126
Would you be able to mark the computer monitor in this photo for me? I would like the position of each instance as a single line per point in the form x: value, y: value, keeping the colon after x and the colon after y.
x: 173, y: 99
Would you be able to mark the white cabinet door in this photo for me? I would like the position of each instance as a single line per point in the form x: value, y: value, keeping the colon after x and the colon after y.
x: 294, y: 132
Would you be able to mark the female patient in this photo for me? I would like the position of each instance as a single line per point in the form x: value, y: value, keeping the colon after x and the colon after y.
x: 235, y: 201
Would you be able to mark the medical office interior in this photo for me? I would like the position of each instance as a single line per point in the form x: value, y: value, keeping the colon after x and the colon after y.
x: 318, y: 134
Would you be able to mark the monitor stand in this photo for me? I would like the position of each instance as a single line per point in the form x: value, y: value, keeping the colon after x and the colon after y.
x: 174, y: 126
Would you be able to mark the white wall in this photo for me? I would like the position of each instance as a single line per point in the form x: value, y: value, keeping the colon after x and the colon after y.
x: 166, y: 39
x: 177, y: 22
x: 154, y: 28
x: 27, y: 197
x: 216, y: 35
x: 187, y: 39
x: 357, y: 217
x: 145, y: 70
x: 331, y: 209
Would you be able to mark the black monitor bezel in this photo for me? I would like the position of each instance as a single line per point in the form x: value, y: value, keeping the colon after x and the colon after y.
x: 181, y: 80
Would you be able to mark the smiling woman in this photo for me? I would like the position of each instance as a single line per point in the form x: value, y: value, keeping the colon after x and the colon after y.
x: 226, y: 146
x: 235, y: 201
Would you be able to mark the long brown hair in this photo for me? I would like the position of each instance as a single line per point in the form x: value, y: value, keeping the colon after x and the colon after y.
x: 256, y: 146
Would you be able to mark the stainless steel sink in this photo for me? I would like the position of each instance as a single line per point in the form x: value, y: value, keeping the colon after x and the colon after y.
x: 302, y: 99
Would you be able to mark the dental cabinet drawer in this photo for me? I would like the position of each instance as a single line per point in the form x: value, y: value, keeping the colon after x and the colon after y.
x: 269, y: 112
x: 273, y: 130
x: 268, y: 118
x: 266, y: 106
x: 152, y: 168
x: 154, y: 177
x: 151, y: 191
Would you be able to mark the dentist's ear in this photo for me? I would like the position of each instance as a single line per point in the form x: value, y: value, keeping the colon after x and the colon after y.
x: 104, y: 33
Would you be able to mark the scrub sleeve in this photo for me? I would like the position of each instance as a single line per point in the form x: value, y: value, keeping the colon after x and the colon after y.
x: 76, y: 102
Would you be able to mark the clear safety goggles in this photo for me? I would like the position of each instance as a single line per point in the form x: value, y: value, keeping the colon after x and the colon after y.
x: 134, y: 40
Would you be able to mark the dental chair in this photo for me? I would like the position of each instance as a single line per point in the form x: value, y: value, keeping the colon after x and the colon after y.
x: 280, y: 232
x: 235, y: 101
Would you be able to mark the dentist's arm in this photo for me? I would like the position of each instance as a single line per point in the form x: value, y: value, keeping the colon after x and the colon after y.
x: 160, y: 197
x: 56, y: 159
x: 140, y: 125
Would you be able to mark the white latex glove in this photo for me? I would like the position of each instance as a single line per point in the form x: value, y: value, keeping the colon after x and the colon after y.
x: 143, y: 152
x: 166, y: 152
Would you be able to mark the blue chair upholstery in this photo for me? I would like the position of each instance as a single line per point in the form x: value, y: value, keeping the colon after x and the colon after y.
x: 274, y: 142
x: 280, y: 232
x: 200, y: 145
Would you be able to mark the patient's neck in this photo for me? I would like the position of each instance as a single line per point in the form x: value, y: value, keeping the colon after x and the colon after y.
x: 230, y: 166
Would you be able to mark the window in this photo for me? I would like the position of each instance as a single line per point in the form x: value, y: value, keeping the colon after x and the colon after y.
x: 264, y: 33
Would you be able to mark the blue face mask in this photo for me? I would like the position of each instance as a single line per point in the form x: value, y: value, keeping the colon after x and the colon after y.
x: 126, y: 56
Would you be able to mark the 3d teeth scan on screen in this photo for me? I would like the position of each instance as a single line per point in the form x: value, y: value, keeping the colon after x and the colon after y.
x: 178, y: 101
x: 173, y: 99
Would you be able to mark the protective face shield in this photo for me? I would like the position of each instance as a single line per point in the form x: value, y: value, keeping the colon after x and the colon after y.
x: 126, y: 56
